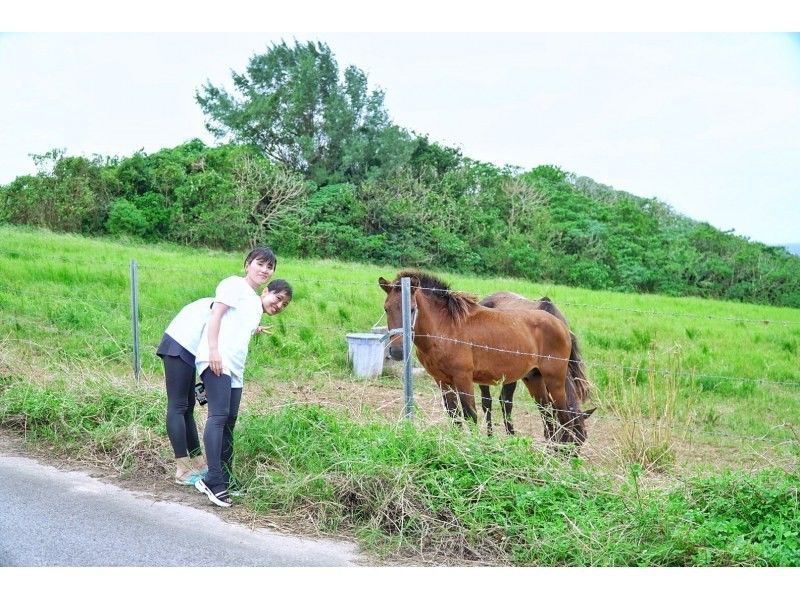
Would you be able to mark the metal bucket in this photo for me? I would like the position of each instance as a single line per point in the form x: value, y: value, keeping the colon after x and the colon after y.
x: 365, y: 352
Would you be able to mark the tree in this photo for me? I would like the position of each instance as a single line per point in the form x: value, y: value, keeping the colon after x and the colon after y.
x: 292, y: 104
x: 270, y: 194
x: 68, y: 193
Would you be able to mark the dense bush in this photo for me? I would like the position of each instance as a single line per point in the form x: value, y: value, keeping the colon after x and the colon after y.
x: 219, y: 197
x: 124, y: 218
x: 438, y: 210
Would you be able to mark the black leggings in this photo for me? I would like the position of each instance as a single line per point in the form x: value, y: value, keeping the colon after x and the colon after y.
x: 181, y: 427
x: 223, y: 409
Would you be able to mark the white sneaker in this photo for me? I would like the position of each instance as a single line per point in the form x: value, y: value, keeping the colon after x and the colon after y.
x: 221, y: 498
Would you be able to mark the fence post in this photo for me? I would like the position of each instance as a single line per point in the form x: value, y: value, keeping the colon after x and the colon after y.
x: 405, y: 294
x: 135, y: 320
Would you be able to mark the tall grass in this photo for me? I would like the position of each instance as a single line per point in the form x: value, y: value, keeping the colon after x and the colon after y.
x: 647, y: 412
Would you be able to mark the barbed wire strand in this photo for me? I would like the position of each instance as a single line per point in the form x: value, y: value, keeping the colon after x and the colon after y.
x: 605, y: 365
x: 125, y: 353
x: 527, y: 402
x: 436, y: 398
x: 588, y: 363
x: 340, y: 330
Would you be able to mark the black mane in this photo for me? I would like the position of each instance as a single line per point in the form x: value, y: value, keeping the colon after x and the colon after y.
x: 456, y: 303
x: 428, y: 282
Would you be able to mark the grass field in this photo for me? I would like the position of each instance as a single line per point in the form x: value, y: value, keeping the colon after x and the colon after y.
x: 692, y: 455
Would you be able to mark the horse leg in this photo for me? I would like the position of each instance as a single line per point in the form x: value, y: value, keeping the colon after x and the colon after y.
x: 449, y: 398
x: 535, y: 384
x: 577, y: 423
x: 486, y: 403
x: 465, y: 387
x: 507, y: 403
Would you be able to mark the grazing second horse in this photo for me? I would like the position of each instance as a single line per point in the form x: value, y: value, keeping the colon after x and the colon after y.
x: 460, y: 342
x: 576, y: 374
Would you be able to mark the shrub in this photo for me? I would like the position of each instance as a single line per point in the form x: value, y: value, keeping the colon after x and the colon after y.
x: 124, y: 218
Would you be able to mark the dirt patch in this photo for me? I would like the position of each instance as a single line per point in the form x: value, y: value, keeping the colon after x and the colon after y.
x: 362, y: 400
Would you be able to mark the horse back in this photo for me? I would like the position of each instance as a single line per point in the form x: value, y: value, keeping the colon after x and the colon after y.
x: 508, y: 301
x: 525, y: 330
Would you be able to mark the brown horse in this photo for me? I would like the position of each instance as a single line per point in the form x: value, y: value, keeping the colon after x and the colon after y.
x: 460, y: 342
x: 576, y: 373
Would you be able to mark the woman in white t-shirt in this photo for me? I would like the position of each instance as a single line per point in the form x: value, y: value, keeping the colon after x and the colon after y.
x: 220, y: 360
x: 178, y: 349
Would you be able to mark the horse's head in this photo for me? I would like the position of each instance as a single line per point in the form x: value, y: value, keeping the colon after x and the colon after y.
x: 575, y: 431
x: 393, y: 306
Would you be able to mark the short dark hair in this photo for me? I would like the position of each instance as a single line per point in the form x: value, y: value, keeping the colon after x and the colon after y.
x: 264, y: 254
x: 280, y: 287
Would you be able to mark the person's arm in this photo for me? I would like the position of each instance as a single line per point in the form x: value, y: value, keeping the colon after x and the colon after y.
x: 214, y: 358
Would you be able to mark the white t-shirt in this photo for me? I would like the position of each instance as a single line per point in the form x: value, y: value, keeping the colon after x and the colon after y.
x: 236, y: 328
x: 187, y: 327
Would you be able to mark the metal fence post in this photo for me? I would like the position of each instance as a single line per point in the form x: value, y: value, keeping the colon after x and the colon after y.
x: 135, y: 320
x: 405, y: 294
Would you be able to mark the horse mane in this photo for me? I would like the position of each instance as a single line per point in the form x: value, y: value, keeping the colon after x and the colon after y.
x: 457, y: 304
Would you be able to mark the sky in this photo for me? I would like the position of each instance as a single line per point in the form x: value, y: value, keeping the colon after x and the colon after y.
x: 708, y: 123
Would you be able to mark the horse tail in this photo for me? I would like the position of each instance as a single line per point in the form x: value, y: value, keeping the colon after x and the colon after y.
x: 577, y: 372
x: 578, y: 385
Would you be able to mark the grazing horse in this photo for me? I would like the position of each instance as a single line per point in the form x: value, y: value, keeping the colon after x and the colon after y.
x: 576, y: 373
x: 460, y: 342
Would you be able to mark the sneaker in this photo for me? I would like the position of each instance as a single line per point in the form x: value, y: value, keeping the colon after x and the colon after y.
x: 221, y: 498
x: 199, y: 464
x: 189, y: 478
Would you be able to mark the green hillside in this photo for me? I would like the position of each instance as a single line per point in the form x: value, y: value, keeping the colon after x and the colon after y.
x: 695, y: 397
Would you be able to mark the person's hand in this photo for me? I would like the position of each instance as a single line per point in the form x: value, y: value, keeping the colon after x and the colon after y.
x: 215, y: 362
x: 264, y: 329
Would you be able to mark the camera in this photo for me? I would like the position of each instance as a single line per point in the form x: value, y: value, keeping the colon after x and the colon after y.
x: 200, y: 393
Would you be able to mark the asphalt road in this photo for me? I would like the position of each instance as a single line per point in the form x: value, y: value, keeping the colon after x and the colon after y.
x: 50, y: 517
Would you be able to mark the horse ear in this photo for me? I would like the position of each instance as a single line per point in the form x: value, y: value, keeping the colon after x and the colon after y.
x: 385, y: 285
x: 415, y: 284
x: 586, y: 414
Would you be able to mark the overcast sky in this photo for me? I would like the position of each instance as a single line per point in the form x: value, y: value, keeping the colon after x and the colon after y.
x: 708, y: 123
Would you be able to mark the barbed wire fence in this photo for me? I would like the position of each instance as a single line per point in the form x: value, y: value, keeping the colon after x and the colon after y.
x: 397, y: 402
x: 136, y: 307
x: 137, y: 310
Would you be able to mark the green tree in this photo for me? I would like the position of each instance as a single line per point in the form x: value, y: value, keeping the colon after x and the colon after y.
x: 293, y: 105
x: 68, y: 194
